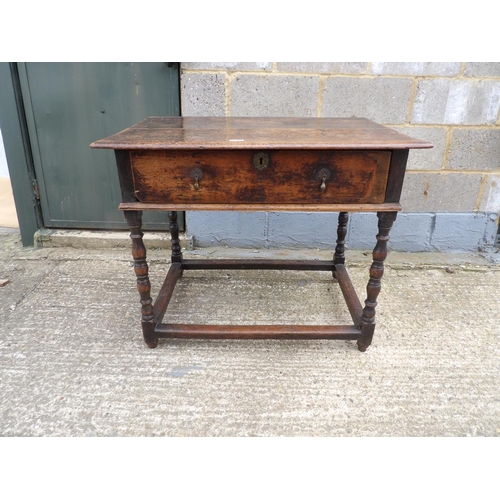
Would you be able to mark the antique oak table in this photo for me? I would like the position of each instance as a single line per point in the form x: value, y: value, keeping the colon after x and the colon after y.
x: 260, y: 164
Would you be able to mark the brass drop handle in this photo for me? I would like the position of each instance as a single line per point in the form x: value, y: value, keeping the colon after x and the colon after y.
x: 323, y: 183
x: 197, y: 175
x: 323, y: 175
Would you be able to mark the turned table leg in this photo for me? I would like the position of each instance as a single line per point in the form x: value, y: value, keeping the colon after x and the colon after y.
x: 339, y: 255
x: 134, y: 221
x: 385, y: 220
x: 174, y: 237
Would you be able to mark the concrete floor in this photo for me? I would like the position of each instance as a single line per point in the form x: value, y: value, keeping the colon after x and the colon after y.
x: 73, y: 363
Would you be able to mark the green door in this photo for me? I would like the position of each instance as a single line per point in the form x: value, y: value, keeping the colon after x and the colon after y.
x: 70, y: 105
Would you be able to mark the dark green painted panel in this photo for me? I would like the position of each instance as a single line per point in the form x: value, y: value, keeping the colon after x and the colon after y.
x: 70, y: 105
x: 16, y: 142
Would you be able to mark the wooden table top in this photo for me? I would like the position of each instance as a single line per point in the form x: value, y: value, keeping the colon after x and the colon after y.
x: 158, y: 132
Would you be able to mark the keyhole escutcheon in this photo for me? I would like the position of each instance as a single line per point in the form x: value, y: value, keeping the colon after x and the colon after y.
x: 260, y: 161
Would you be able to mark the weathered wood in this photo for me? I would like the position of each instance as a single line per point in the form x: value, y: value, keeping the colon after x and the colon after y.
x: 166, y: 291
x: 261, y: 164
x: 385, y: 221
x: 134, y: 221
x: 174, y: 237
x: 396, y: 176
x: 231, y: 177
x: 125, y: 175
x: 277, y: 264
x: 350, y: 296
x: 282, y: 332
x: 258, y: 133
x: 264, y: 207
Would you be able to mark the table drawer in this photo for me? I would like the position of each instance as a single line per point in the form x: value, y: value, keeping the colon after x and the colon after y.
x: 268, y: 176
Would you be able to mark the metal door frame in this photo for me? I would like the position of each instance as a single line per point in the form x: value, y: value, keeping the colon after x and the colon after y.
x: 19, y: 153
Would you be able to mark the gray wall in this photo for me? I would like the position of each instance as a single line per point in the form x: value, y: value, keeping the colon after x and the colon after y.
x: 451, y: 196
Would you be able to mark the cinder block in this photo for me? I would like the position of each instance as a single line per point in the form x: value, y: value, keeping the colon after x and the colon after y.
x: 234, y: 229
x: 491, y: 196
x: 274, y: 95
x: 409, y: 233
x: 230, y: 66
x: 203, y: 94
x: 491, y: 231
x: 416, y: 68
x: 475, y: 149
x: 338, y: 68
x: 437, y: 192
x: 482, y: 69
x: 361, y: 231
x: 459, y: 232
x: 385, y: 100
x: 426, y: 159
x: 310, y: 230
x: 469, y: 102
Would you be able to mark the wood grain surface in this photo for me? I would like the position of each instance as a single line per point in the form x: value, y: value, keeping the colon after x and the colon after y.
x: 255, y: 133
x: 266, y: 207
x: 231, y: 177
x: 277, y: 332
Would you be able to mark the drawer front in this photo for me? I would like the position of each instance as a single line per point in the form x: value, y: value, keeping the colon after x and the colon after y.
x: 270, y: 176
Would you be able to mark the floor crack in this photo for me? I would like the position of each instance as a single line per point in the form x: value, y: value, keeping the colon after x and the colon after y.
x: 27, y: 293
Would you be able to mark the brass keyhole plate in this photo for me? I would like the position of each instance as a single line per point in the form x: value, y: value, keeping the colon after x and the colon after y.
x: 260, y: 161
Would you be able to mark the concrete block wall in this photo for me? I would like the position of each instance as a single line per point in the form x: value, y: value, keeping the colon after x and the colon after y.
x: 451, y: 195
